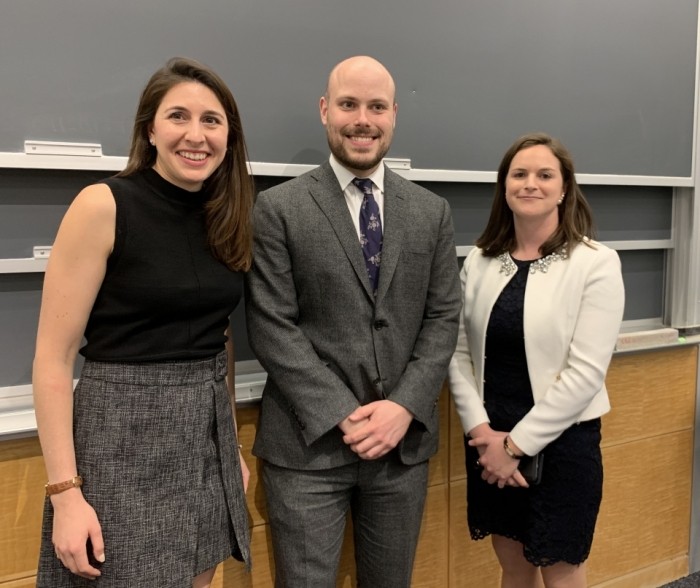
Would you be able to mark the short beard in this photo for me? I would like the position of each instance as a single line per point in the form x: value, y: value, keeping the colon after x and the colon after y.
x: 360, y: 164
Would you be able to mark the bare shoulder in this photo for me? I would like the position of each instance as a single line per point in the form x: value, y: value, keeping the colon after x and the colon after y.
x: 90, y: 220
x: 95, y: 200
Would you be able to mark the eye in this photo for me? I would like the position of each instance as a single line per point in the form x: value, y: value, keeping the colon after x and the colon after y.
x: 177, y: 115
x: 211, y: 120
x: 517, y: 174
x: 346, y: 104
x: 379, y: 107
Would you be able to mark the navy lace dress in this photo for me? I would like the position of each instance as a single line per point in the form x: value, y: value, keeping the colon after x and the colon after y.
x: 554, y: 520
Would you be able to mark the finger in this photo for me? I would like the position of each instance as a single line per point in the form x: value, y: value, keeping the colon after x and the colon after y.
x: 81, y: 566
x: 98, y: 544
x: 356, y: 437
x: 361, y: 412
x: 520, y: 479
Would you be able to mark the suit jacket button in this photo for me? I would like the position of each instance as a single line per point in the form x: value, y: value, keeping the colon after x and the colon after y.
x: 380, y: 324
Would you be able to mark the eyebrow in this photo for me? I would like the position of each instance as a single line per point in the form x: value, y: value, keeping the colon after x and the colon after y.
x: 205, y: 113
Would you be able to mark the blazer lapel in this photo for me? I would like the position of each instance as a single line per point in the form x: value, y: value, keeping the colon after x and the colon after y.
x: 393, y: 225
x: 331, y: 201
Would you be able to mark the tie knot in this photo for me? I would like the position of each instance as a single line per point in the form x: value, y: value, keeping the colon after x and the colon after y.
x: 364, y: 184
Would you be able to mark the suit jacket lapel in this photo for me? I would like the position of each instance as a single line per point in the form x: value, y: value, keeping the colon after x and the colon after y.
x: 393, y: 225
x: 331, y: 201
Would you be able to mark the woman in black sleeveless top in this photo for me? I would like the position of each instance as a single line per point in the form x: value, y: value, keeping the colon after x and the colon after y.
x: 145, y: 478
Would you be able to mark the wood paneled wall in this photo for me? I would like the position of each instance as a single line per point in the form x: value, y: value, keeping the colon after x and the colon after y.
x: 643, y: 529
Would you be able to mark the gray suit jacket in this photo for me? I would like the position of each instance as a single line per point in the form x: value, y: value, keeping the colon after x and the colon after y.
x: 327, y: 345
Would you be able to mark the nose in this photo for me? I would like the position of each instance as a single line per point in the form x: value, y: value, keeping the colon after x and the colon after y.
x: 195, y: 132
x: 530, y: 183
x: 362, y: 118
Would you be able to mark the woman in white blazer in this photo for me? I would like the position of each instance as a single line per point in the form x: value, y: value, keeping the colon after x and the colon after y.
x: 542, y: 306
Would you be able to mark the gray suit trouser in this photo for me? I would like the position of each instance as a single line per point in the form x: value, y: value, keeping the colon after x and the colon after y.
x: 308, y: 508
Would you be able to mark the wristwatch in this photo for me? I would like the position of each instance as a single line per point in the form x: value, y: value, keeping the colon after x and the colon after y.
x: 74, y: 482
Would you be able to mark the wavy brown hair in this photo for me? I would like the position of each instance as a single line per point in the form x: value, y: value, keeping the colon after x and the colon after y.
x: 575, y: 218
x: 230, y: 188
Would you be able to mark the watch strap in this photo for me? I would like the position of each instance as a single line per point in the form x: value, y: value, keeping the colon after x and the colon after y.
x: 57, y: 488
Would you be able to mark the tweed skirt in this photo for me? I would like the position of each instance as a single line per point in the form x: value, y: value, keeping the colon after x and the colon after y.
x: 157, y: 450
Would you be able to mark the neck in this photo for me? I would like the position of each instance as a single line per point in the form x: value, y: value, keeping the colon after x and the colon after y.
x: 530, y: 235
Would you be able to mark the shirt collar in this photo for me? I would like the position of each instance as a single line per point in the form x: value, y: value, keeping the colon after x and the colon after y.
x: 345, y: 176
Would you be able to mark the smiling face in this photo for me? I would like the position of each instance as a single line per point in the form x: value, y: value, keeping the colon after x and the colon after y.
x: 190, y: 133
x: 359, y: 114
x: 534, y: 184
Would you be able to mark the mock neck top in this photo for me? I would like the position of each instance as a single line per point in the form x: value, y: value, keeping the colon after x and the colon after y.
x: 164, y: 296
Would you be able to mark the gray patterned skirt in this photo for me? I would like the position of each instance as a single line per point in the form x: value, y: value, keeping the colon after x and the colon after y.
x: 157, y: 450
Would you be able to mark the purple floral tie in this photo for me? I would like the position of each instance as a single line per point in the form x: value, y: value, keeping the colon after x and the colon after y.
x: 370, y: 231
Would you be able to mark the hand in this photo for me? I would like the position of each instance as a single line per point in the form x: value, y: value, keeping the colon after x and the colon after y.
x: 382, y: 425
x: 74, y: 522
x: 499, y: 467
x: 244, y: 471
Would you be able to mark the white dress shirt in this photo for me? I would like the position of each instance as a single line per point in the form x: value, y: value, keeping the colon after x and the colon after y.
x: 354, y: 196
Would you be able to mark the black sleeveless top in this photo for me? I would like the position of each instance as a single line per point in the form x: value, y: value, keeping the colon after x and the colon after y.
x: 164, y: 296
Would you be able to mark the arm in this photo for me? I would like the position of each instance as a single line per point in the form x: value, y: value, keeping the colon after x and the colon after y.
x: 420, y: 384
x: 73, y: 277
x: 231, y: 383
x: 497, y: 465
x: 272, y: 311
x: 463, y: 386
x: 590, y: 350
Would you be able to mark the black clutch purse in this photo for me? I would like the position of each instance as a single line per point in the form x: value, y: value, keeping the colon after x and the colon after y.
x: 531, y: 468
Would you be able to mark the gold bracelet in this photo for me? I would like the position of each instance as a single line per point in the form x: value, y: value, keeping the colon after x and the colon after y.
x: 57, y: 488
x: 508, y: 450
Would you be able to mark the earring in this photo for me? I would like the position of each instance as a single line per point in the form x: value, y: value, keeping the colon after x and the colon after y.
x: 561, y: 199
x: 152, y: 141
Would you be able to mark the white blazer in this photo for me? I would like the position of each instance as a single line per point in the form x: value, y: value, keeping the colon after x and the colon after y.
x: 571, y: 321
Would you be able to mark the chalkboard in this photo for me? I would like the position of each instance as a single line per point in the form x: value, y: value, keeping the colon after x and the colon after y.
x: 614, y: 80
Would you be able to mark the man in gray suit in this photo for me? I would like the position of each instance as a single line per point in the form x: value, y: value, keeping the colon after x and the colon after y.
x: 352, y: 309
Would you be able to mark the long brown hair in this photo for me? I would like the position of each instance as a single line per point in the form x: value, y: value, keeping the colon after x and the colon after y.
x: 230, y: 187
x: 575, y: 218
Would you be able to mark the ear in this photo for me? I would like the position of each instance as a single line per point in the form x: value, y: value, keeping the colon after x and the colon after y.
x: 323, y: 108
x: 396, y: 109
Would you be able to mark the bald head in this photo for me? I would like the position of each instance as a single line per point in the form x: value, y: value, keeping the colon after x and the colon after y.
x: 363, y: 69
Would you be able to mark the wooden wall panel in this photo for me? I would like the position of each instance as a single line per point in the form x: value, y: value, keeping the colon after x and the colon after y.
x: 247, y: 420
x: 472, y: 564
x: 431, y: 567
x: 651, y: 394
x: 22, y: 479
x: 456, y: 449
x: 645, y: 513
x: 22, y: 583
x: 652, y: 576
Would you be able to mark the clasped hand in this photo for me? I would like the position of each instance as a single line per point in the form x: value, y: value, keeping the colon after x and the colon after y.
x: 376, y: 428
x: 498, y: 467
